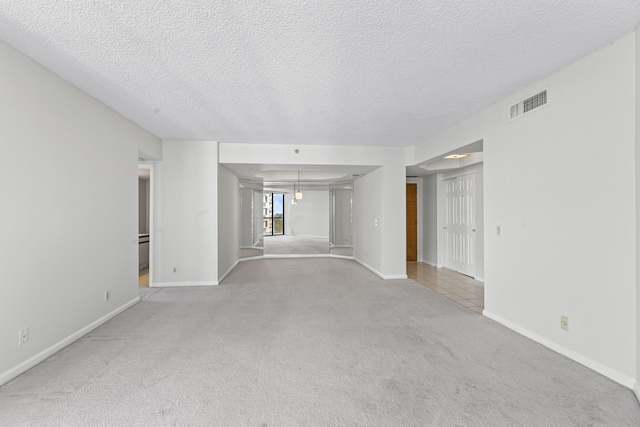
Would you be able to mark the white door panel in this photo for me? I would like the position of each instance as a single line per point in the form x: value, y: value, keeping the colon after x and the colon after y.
x: 460, y: 224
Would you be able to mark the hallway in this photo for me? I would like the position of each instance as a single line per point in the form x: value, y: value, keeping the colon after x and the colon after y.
x: 457, y: 287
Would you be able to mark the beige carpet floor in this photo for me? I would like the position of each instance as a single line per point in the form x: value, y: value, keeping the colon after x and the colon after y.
x: 295, y: 245
x: 309, y: 342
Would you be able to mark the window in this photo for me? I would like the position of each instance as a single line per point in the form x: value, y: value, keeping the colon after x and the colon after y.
x: 273, y: 214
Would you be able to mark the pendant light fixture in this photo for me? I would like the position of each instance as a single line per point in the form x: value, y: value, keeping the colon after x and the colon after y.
x: 299, y: 193
x: 294, y: 201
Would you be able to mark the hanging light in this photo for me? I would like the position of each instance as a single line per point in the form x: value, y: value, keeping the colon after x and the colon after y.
x: 294, y: 201
x: 299, y: 193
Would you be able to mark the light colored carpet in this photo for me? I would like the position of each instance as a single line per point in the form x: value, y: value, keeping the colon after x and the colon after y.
x: 309, y: 342
x: 294, y: 245
x: 251, y: 252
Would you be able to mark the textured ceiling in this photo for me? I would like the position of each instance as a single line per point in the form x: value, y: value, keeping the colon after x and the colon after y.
x: 378, y: 72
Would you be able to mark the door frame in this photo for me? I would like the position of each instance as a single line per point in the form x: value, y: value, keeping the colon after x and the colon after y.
x: 419, y: 213
x: 440, y: 215
x: 149, y: 166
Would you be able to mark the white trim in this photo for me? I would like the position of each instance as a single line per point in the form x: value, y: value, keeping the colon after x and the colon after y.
x: 431, y: 263
x: 251, y: 258
x: 608, y: 372
x: 479, y: 279
x: 296, y: 256
x: 383, y: 276
x: 340, y: 256
x: 150, y: 167
x: 182, y: 284
x: 636, y: 390
x: 228, y: 271
x: 12, y: 373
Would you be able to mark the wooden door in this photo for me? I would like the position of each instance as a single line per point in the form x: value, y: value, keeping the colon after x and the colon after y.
x: 412, y: 222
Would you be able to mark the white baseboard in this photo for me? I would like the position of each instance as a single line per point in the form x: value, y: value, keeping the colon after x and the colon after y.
x: 383, y: 276
x: 431, y: 263
x: 395, y: 276
x: 182, y: 284
x: 636, y: 390
x: 608, y: 372
x: 228, y: 271
x: 340, y: 256
x: 251, y: 258
x: 12, y: 373
x: 296, y: 256
x: 479, y: 279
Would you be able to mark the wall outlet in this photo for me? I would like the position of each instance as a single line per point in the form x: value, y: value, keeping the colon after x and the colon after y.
x: 175, y: 269
x: 564, y: 323
x: 23, y: 336
x: 106, y: 296
x: 499, y: 230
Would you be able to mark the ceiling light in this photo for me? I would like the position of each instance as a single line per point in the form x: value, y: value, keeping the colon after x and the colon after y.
x: 299, y: 193
x: 457, y: 156
x: 294, y: 201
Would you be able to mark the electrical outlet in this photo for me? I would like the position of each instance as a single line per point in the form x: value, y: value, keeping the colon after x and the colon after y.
x: 106, y: 296
x: 175, y: 269
x: 499, y: 230
x: 564, y: 323
x: 23, y: 336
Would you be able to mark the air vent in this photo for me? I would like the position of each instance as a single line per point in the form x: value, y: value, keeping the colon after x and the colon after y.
x: 529, y: 104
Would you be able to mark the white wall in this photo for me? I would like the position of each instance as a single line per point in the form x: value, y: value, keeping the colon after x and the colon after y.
x: 71, y: 215
x: 228, y: 221
x: 389, y: 187
x: 429, y: 233
x: 310, y: 216
x: 186, y: 214
x: 561, y: 182
x: 143, y: 214
x: 342, y: 221
x: 368, y: 244
x: 246, y: 217
x: 637, y: 165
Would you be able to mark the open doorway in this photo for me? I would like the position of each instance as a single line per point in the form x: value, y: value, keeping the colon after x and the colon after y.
x: 145, y: 197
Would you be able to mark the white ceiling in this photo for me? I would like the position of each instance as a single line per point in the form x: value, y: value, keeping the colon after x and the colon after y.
x: 289, y: 173
x: 378, y: 72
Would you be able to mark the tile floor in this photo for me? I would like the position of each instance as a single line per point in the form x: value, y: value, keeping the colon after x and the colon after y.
x: 143, y: 277
x: 457, y: 287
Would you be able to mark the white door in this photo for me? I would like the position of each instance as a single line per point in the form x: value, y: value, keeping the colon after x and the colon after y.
x: 460, y: 224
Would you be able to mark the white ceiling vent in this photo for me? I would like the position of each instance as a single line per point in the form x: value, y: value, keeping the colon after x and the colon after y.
x: 529, y: 104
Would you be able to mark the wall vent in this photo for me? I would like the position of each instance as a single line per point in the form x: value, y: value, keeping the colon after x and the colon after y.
x: 529, y: 104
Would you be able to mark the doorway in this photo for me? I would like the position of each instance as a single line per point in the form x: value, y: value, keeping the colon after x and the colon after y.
x: 145, y: 221
x: 412, y: 221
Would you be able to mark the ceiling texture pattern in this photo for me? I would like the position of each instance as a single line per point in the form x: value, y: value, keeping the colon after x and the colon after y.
x: 334, y: 72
